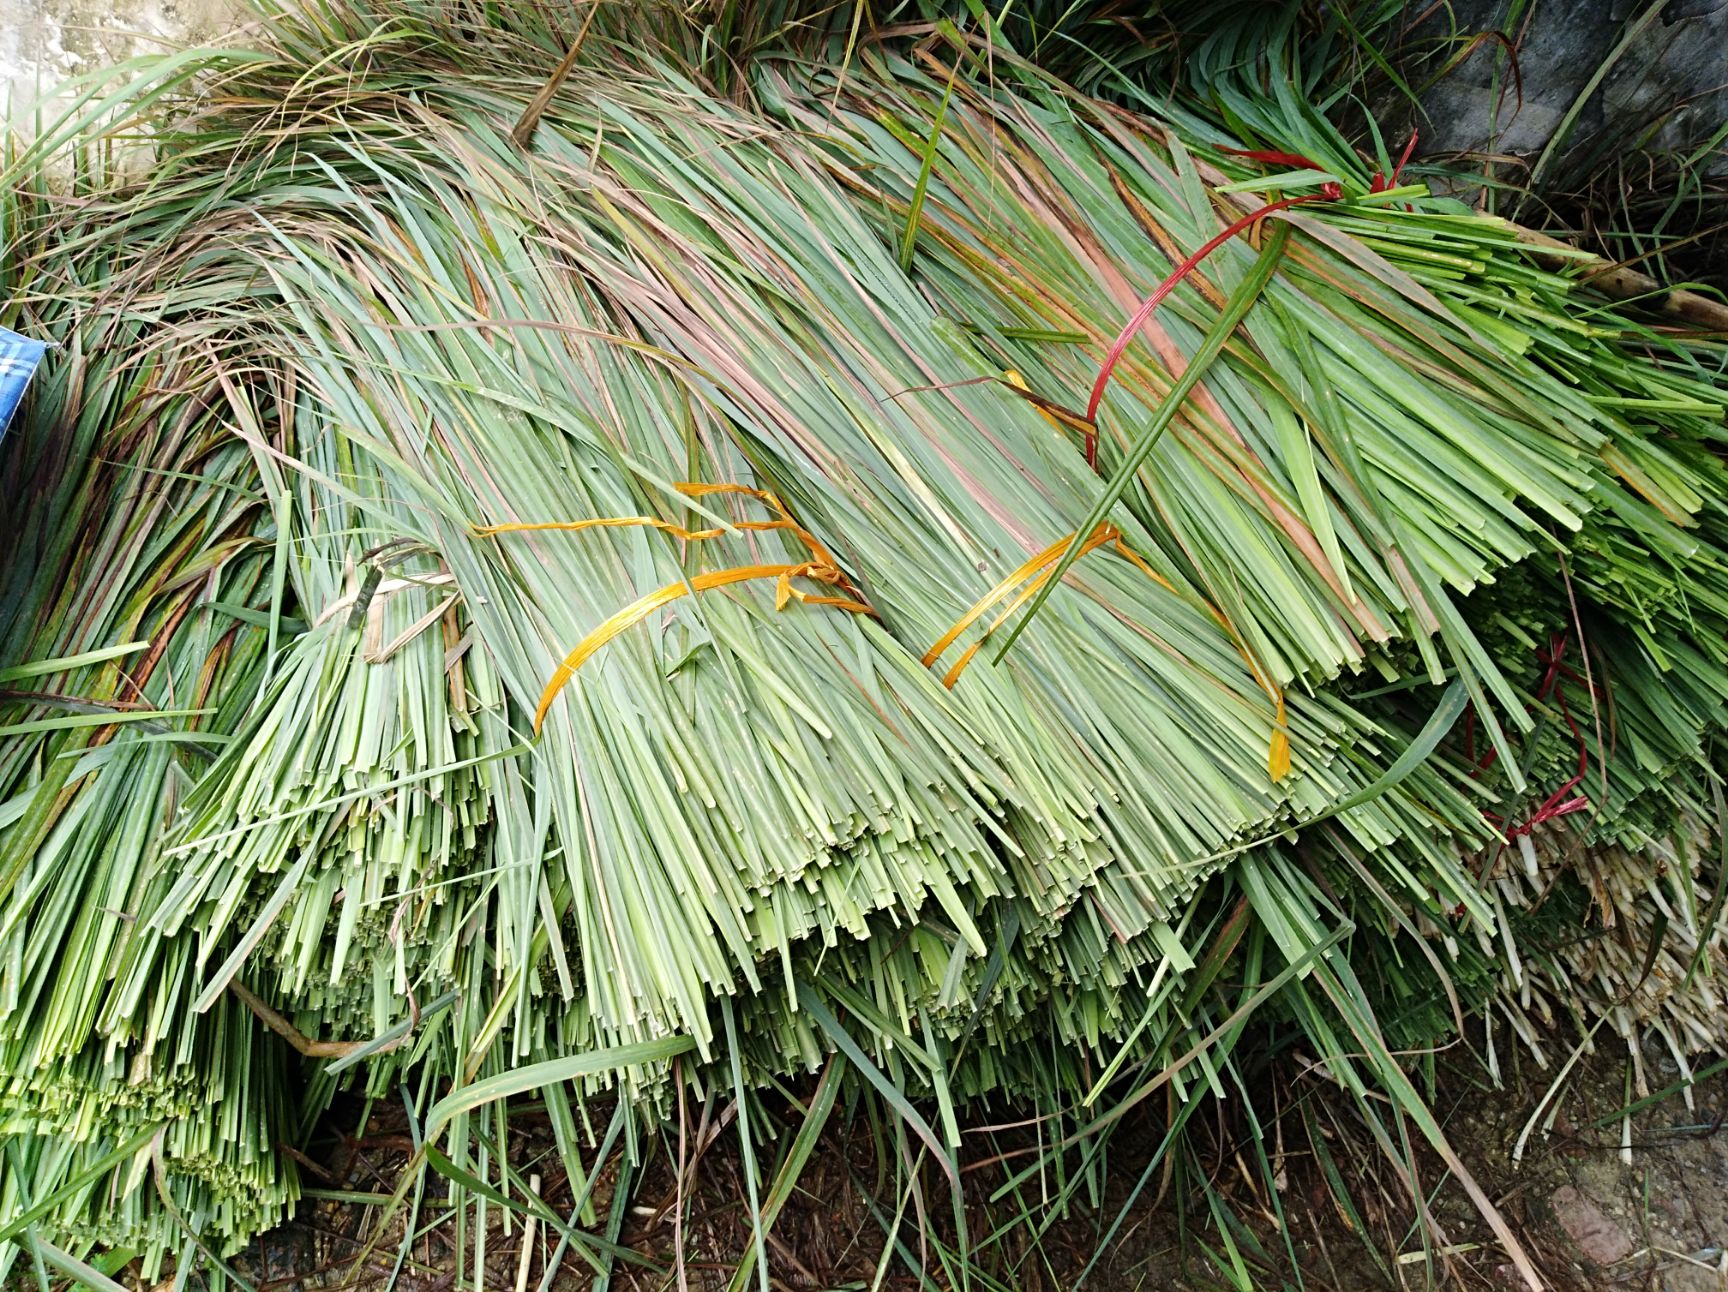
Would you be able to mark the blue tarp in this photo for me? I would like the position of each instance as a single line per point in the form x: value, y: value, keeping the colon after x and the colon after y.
x: 18, y: 359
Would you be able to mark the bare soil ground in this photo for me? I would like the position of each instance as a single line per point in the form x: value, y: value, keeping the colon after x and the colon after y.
x: 1587, y: 1216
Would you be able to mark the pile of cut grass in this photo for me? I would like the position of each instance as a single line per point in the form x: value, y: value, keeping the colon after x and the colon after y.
x: 637, y: 614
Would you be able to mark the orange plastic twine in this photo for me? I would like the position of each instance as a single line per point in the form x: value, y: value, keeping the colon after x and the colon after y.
x: 1059, y: 417
x: 1023, y: 584
x: 820, y: 568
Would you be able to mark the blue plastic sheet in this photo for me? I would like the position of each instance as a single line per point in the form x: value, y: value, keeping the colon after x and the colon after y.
x: 18, y: 359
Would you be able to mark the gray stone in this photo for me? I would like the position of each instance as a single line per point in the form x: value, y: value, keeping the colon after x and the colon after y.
x: 1666, y: 91
x: 1598, y: 1239
x: 1692, y: 1278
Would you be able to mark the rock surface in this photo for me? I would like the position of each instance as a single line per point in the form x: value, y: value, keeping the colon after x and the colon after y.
x: 1666, y: 89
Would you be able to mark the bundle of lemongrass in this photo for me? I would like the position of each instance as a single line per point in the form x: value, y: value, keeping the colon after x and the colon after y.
x: 133, y: 646
x: 518, y: 616
x: 1636, y: 592
x: 1608, y: 875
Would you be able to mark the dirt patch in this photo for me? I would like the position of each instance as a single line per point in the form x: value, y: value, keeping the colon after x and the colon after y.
x: 1587, y: 1217
x: 1604, y: 1200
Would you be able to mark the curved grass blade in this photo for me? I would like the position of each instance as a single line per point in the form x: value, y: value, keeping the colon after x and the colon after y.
x: 1235, y: 309
x: 521, y: 1080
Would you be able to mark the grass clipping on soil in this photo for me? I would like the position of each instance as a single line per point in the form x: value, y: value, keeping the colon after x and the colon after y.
x: 366, y: 419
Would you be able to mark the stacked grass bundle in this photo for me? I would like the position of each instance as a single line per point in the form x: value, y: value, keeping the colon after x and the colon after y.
x: 527, y: 617
x: 1614, y: 908
x: 130, y: 660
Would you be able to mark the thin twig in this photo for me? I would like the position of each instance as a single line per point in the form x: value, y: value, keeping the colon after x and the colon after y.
x: 308, y: 1047
x: 1623, y: 284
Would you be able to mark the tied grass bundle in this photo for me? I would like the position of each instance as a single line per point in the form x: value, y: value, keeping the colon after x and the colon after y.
x: 1314, y: 483
x: 1613, y: 910
x: 130, y: 656
x: 309, y: 589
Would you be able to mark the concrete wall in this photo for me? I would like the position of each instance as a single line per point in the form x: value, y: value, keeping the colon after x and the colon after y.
x: 43, y: 42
